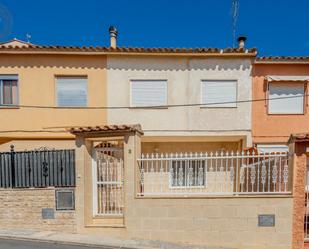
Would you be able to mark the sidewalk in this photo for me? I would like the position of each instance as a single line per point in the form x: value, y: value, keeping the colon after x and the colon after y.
x: 93, y: 240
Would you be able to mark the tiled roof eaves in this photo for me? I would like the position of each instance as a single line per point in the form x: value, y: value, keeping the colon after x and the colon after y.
x: 105, y: 128
x: 282, y: 59
x: 124, y: 50
x: 300, y: 137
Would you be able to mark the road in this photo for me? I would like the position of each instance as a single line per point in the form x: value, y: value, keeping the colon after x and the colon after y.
x: 19, y: 244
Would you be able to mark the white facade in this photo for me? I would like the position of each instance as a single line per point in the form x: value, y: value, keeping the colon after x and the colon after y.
x: 184, y: 76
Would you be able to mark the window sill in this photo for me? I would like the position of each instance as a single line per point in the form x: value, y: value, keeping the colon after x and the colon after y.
x: 286, y: 114
x: 9, y: 107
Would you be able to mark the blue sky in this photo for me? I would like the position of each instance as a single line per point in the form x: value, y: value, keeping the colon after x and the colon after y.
x: 275, y: 27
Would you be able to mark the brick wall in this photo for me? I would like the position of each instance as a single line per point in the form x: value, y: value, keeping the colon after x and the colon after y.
x: 298, y: 201
x: 22, y: 209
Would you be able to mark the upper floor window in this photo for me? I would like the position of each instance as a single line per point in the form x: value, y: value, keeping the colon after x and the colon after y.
x: 148, y: 93
x: 219, y: 93
x: 8, y: 90
x: 71, y: 91
x: 286, y: 98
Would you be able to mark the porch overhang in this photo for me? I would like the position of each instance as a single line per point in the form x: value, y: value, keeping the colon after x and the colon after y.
x: 299, y: 137
x: 105, y: 130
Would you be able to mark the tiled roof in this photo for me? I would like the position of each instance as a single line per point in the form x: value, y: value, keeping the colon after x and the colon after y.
x: 282, y: 59
x: 300, y: 137
x: 105, y: 128
x: 5, y: 48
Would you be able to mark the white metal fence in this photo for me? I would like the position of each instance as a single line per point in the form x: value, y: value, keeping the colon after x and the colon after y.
x: 221, y: 173
x: 108, y: 184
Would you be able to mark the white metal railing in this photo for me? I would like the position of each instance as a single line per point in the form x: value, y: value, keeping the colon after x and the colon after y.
x: 229, y: 173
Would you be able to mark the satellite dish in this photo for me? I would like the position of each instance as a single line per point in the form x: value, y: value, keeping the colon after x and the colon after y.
x: 6, y: 22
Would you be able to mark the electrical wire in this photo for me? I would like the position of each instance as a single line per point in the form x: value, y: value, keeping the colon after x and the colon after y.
x: 33, y: 131
x: 129, y: 107
x: 153, y: 106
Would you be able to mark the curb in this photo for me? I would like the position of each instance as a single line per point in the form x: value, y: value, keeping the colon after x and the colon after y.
x: 48, y: 241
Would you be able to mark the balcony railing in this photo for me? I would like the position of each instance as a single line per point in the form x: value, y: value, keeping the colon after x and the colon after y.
x: 230, y: 173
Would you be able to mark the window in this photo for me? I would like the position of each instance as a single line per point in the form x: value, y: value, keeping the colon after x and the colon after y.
x: 148, y: 93
x: 218, y: 91
x: 187, y: 174
x: 71, y: 91
x: 8, y: 90
x: 270, y: 148
x: 286, y: 98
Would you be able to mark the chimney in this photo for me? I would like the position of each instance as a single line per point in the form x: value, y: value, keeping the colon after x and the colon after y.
x: 113, y: 36
x: 241, y: 41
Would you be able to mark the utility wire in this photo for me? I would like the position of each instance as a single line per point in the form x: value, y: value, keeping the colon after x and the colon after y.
x: 153, y: 106
x: 127, y: 107
x: 33, y: 131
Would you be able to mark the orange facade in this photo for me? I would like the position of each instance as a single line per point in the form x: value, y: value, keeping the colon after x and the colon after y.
x: 276, y: 128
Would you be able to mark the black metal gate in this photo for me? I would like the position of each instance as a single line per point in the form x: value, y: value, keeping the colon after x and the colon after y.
x: 37, y: 168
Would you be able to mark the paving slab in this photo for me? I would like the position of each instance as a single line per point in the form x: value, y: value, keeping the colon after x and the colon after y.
x: 98, y: 241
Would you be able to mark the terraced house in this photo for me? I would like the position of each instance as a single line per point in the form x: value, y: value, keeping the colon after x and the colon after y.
x: 39, y: 84
x: 282, y: 85
x: 154, y: 143
x: 166, y: 165
x: 284, y: 79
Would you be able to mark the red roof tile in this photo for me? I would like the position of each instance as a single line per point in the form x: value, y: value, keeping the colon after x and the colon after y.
x: 105, y: 128
x: 135, y: 50
x: 299, y: 137
x: 282, y: 59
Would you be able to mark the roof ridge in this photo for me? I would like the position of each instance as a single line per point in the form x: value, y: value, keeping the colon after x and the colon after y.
x: 128, y: 49
x: 17, y: 40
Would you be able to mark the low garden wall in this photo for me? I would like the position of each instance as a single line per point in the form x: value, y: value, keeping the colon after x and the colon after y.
x: 34, y: 209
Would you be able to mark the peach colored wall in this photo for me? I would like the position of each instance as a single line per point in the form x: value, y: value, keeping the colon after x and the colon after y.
x: 37, y: 86
x: 275, y: 128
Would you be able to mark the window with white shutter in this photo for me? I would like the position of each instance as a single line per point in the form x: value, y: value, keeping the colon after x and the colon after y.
x: 71, y: 91
x: 215, y: 92
x: 148, y: 93
x: 286, y: 98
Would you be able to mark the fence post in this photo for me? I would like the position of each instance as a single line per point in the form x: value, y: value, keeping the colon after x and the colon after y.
x: 13, y: 166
